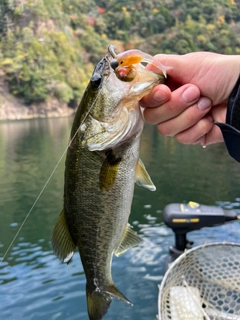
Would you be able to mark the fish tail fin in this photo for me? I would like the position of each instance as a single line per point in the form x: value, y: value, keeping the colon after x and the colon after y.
x: 99, y: 301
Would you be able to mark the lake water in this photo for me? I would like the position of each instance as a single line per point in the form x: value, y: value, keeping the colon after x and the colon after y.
x: 34, y: 284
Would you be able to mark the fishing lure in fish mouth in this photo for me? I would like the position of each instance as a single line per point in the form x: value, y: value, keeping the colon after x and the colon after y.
x: 123, y: 62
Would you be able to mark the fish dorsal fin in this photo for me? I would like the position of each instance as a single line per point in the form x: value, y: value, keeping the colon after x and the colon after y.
x: 129, y: 239
x: 62, y: 243
x: 142, y: 177
x: 109, y: 171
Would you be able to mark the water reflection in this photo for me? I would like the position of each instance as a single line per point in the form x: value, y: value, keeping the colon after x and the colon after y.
x: 34, y: 284
x: 29, y: 151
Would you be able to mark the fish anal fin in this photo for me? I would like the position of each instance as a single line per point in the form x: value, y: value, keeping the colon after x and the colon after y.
x: 142, y: 177
x: 114, y: 292
x: 130, y: 239
x: 109, y: 171
x: 62, y: 243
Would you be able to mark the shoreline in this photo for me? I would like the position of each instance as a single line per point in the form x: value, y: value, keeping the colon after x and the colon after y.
x: 48, y: 110
x: 12, y: 108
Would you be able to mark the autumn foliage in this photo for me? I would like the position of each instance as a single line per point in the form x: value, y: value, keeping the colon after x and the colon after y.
x: 48, y: 48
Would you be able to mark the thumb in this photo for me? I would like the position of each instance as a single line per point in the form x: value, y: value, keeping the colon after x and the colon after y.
x: 178, y: 67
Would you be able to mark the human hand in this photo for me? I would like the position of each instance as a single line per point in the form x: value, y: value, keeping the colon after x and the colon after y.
x: 195, y: 95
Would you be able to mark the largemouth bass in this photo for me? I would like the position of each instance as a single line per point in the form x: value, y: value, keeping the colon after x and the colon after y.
x: 102, y: 165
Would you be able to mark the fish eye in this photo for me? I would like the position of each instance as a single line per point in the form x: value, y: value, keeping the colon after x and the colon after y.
x: 96, y: 80
x: 121, y: 62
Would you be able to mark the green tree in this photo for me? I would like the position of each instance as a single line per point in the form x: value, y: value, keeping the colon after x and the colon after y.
x: 6, y: 17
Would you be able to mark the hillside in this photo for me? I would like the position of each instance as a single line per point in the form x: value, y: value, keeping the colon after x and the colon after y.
x: 48, y: 48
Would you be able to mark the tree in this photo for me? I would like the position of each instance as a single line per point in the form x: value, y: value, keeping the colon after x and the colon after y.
x: 6, y: 17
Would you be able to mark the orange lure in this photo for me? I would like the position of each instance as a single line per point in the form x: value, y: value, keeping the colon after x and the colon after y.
x: 130, y: 57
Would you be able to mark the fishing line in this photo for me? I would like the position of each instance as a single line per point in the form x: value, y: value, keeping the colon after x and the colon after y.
x: 49, y: 178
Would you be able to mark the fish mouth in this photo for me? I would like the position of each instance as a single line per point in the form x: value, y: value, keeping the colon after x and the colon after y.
x: 103, y: 67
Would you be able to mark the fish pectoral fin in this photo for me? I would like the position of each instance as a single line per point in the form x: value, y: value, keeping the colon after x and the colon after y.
x: 130, y: 239
x: 109, y: 171
x: 62, y: 243
x: 142, y: 177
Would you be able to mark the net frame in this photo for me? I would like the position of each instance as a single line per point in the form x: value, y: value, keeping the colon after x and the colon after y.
x: 212, y: 268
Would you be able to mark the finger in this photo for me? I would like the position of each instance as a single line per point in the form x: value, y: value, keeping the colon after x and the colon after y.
x: 157, y: 96
x: 205, y: 132
x: 187, y: 119
x: 213, y: 136
x: 218, y: 113
x: 196, y: 134
x: 180, y: 100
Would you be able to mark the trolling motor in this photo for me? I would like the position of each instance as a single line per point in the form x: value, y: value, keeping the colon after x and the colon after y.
x: 183, y: 218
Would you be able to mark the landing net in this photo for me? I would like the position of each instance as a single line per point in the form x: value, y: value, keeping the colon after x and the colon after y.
x: 202, y: 284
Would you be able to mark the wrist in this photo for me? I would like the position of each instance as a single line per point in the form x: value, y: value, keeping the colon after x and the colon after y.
x: 231, y: 67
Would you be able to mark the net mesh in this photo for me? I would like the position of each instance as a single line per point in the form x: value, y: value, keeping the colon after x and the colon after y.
x: 202, y: 284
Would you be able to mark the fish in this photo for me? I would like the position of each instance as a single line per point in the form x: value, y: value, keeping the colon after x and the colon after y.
x: 102, y: 165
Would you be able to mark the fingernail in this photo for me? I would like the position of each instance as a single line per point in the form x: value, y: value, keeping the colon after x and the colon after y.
x: 204, y: 103
x: 160, y: 96
x: 190, y: 94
